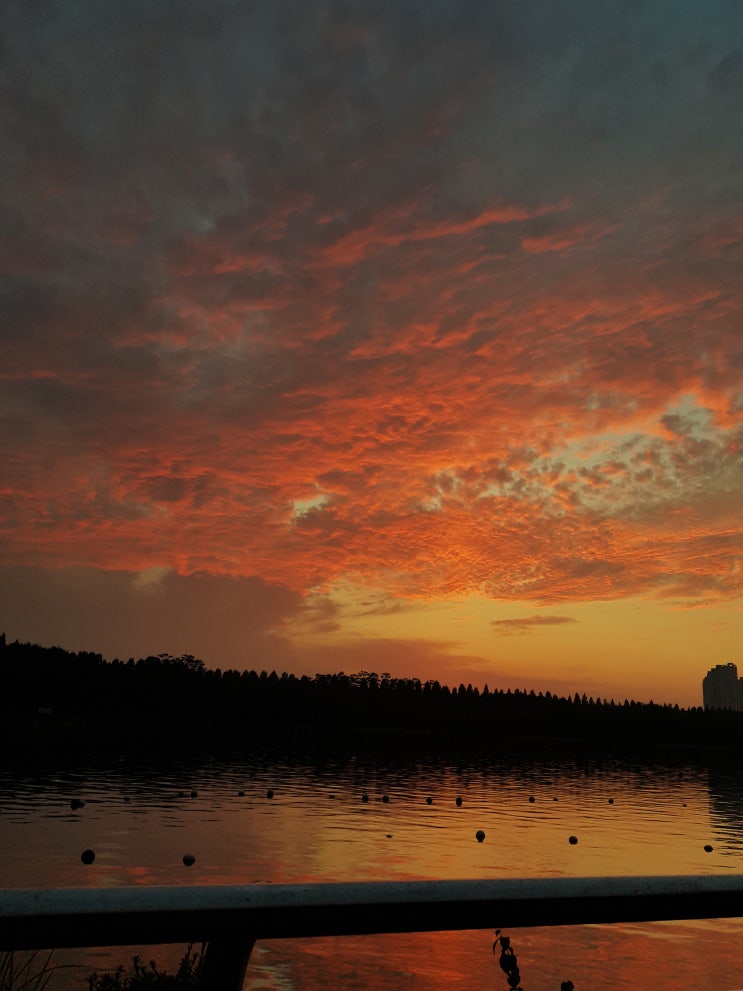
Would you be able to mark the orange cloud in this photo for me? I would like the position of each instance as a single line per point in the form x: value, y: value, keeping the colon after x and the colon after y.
x: 374, y: 307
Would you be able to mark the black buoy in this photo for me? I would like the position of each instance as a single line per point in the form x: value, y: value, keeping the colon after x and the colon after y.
x: 385, y: 798
x: 188, y: 859
x: 77, y: 803
x: 269, y: 793
x: 459, y: 801
x: 241, y: 794
x: 194, y: 794
x: 708, y: 848
x: 429, y: 801
x: 480, y: 835
x: 364, y: 797
x: 87, y: 856
x: 611, y: 801
x: 572, y: 840
x: 531, y: 798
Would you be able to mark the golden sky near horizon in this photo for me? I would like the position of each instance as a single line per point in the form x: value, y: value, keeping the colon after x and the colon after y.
x: 399, y: 337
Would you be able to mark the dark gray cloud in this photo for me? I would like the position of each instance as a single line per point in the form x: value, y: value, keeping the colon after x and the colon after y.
x: 230, y: 622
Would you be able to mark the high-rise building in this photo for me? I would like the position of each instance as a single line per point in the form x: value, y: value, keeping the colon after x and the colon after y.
x: 722, y: 689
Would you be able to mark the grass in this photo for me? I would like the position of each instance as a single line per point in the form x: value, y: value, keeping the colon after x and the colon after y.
x: 29, y: 971
x: 33, y: 970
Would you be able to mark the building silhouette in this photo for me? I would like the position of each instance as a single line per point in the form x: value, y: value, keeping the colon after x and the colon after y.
x: 722, y: 688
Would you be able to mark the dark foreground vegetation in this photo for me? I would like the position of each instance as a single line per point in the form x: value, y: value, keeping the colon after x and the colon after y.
x: 53, y: 697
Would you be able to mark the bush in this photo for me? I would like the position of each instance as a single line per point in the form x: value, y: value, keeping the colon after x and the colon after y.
x: 150, y: 978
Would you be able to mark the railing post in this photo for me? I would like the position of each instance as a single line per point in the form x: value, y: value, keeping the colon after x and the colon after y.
x: 225, y: 963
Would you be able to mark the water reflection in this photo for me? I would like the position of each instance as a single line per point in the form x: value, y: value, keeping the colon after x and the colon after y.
x: 726, y: 808
x: 140, y: 821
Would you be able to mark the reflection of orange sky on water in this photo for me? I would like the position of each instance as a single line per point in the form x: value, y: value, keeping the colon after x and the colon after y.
x: 662, y: 956
x: 658, y: 822
x: 317, y: 838
x: 650, y: 826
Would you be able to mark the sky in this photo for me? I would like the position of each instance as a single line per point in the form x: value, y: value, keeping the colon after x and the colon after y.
x: 353, y: 335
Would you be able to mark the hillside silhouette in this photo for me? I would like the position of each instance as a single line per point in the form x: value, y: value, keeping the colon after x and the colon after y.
x: 53, y: 697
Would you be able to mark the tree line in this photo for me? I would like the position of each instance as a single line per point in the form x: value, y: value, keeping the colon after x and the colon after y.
x: 54, y: 695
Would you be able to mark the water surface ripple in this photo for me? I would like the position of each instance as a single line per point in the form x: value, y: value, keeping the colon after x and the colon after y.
x: 270, y: 819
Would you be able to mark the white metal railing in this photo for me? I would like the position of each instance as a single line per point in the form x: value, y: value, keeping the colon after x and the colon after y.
x: 229, y: 918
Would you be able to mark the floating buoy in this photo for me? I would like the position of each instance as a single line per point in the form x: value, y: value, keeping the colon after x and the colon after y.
x: 459, y: 801
x: 572, y: 840
x: 269, y: 793
x: 241, y: 794
x: 331, y: 795
x: 364, y: 797
x: 611, y: 801
x: 708, y: 848
x: 87, y: 856
x: 385, y: 798
x: 188, y: 859
x: 531, y: 798
x: 194, y: 794
x: 389, y: 836
x: 429, y: 801
x: 480, y: 835
x: 77, y: 803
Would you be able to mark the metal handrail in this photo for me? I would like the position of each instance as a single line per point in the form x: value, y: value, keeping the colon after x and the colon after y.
x: 229, y: 918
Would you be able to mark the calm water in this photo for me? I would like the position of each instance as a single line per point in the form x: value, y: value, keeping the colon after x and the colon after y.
x: 140, y: 821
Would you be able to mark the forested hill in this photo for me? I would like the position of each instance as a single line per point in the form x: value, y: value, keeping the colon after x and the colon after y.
x: 57, y: 697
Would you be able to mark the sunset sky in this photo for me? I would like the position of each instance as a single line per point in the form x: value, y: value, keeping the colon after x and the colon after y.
x: 391, y: 336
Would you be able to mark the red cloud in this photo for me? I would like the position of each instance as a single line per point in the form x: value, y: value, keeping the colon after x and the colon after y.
x: 448, y: 416
x: 393, y: 228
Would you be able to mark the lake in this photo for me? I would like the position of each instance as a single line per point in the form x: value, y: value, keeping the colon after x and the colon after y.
x: 141, y: 818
